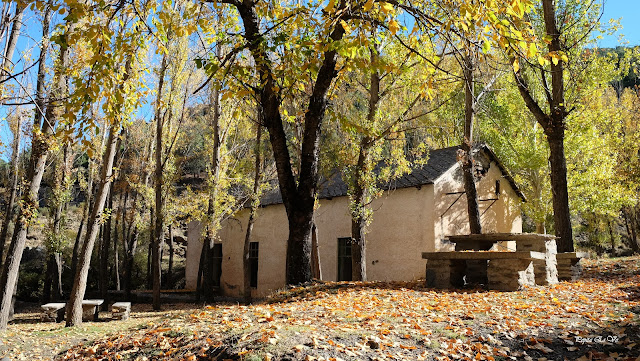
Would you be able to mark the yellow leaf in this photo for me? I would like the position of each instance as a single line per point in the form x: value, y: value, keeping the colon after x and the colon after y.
x: 368, y: 5
x: 532, y: 50
x: 516, y: 66
x: 346, y: 26
x: 393, y: 26
x: 330, y: 6
x: 386, y: 7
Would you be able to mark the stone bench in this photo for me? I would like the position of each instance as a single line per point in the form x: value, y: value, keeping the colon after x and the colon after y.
x: 53, y: 312
x: 545, y: 270
x: 506, y: 271
x: 569, y: 266
x: 120, y: 310
x: 90, y: 309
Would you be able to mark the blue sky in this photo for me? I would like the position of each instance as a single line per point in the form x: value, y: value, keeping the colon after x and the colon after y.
x: 629, y: 13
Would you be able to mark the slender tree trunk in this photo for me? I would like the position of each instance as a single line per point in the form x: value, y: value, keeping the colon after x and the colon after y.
x: 171, y: 250
x: 104, y: 249
x: 612, y: 237
x: 74, y: 306
x: 212, y: 217
x: 119, y: 219
x: 473, y: 211
x: 631, y: 229
x: 7, y: 64
x: 358, y: 216
x: 255, y: 203
x: 8, y: 217
x: 158, y: 239
x: 40, y: 148
x: 77, y: 245
x: 316, y: 266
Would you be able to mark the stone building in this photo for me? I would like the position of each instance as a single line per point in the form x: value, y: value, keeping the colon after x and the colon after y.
x: 414, y: 215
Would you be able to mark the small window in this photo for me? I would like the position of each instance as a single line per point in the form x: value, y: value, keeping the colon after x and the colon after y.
x: 498, y: 187
x: 344, y: 259
x: 253, y: 263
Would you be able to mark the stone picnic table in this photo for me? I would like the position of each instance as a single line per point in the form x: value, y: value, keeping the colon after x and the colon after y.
x: 475, y: 260
x: 54, y: 311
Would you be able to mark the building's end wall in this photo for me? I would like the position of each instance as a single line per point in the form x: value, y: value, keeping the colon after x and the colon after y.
x: 499, y: 212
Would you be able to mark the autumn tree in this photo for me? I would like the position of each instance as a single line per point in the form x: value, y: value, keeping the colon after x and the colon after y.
x: 41, y: 139
x: 564, y: 28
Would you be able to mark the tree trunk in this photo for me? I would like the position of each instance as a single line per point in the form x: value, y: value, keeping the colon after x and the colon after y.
x: 40, y: 147
x: 255, y: 203
x: 298, y: 197
x: 158, y: 233
x: 8, y: 217
x: 116, y: 238
x: 554, y: 126
x: 316, y: 267
x: 212, y: 217
x: 7, y: 64
x: 171, y: 250
x: 105, y: 247
x: 631, y: 229
x: 560, y: 192
x: 77, y: 245
x: 473, y: 211
x: 358, y: 216
x: 74, y: 306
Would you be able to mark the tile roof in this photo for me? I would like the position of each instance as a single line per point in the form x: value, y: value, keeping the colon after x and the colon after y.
x: 440, y: 160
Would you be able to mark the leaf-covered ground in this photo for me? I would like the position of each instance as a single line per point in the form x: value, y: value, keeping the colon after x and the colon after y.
x: 595, y: 318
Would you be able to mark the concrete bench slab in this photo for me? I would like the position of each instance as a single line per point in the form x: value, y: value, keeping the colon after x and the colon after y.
x: 90, y: 309
x: 53, y: 312
x: 481, y: 255
x: 120, y: 310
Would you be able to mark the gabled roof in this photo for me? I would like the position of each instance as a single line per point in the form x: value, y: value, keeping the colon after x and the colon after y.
x: 439, y: 162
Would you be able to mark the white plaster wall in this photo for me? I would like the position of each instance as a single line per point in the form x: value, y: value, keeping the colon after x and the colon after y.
x: 402, y: 228
x: 451, y: 218
x: 406, y: 222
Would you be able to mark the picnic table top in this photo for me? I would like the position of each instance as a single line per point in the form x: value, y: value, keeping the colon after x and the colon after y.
x: 475, y: 255
x: 497, y: 237
x: 53, y: 305
x: 92, y: 302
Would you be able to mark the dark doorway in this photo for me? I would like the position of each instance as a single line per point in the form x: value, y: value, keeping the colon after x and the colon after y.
x: 217, y: 264
x: 344, y: 259
x: 253, y: 263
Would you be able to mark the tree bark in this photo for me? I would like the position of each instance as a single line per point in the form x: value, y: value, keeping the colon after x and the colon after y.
x: 212, y: 218
x: 298, y: 199
x: 7, y: 64
x: 171, y: 251
x: 554, y: 125
x: 15, y: 166
x: 255, y: 203
x: 104, y: 249
x: 74, y: 306
x: 631, y: 229
x: 158, y: 234
x: 358, y: 217
x: 39, y: 150
x: 473, y: 211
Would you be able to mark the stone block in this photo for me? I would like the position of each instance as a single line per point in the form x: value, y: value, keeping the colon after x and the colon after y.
x: 510, y: 274
x: 444, y: 273
x: 120, y: 310
x: 53, y: 312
